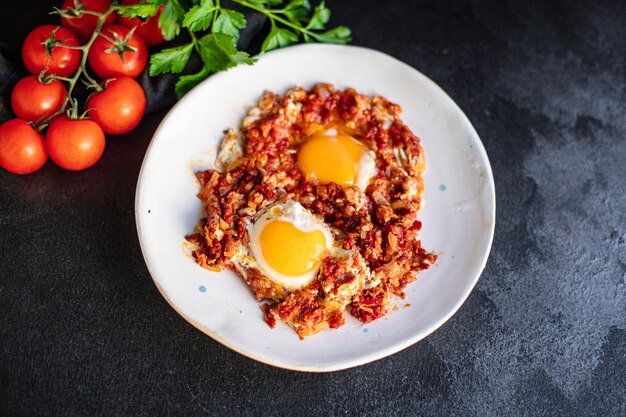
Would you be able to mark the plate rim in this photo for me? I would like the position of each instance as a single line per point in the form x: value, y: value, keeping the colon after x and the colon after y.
x: 367, y: 358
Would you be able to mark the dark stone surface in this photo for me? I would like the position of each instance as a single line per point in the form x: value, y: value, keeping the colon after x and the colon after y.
x: 83, y: 330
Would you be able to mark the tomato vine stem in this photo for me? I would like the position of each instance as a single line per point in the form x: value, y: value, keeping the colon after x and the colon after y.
x: 72, y: 111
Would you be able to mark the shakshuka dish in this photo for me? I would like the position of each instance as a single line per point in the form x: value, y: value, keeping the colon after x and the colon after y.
x: 314, y: 202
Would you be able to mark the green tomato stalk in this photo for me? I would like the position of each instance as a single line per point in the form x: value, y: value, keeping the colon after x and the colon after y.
x: 52, y: 42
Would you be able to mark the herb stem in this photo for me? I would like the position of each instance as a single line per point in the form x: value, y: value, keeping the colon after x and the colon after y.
x: 271, y: 14
x: 218, y: 10
x: 194, y: 41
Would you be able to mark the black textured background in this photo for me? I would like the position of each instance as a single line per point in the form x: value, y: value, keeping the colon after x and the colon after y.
x: 84, y: 331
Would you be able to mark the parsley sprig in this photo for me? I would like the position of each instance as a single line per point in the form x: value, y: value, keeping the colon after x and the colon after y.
x: 298, y: 21
x: 214, y: 31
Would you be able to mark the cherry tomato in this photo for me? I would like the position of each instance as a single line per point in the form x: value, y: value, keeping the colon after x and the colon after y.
x: 148, y: 29
x: 109, y: 64
x: 22, y: 148
x: 75, y: 144
x: 83, y: 26
x: 32, y: 100
x: 60, y: 61
x: 119, y: 108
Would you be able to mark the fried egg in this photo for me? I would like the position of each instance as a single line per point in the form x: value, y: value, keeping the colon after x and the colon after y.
x: 332, y: 156
x: 287, y: 243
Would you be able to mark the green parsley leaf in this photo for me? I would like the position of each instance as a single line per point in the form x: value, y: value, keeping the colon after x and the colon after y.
x: 278, y: 38
x: 289, y: 19
x: 200, y: 17
x: 241, y: 57
x: 171, y: 18
x: 170, y: 60
x: 320, y: 17
x: 230, y: 22
x: 214, y: 57
x: 297, y: 11
x: 218, y: 52
x: 340, y: 35
x: 187, y: 82
x: 137, y: 10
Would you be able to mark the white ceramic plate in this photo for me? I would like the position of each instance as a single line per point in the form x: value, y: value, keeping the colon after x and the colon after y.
x: 458, y: 217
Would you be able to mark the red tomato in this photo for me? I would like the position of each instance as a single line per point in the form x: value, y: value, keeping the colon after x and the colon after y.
x: 119, y: 108
x: 83, y: 26
x: 109, y: 64
x: 22, y: 148
x: 148, y: 29
x: 75, y: 144
x: 60, y: 61
x: 32, y: 100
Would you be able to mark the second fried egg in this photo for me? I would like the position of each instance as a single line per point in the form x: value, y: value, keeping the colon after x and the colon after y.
x: 287, y: 242
x: 332, y: 156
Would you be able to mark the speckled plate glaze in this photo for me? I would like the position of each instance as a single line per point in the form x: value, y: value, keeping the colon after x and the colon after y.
x: 458, y: 217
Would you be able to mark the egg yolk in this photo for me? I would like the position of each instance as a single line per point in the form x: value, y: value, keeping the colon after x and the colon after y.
x: 289, y: 250
x: 331, y: 158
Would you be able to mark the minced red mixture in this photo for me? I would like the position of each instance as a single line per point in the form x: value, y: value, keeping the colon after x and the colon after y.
x: 257, y: 167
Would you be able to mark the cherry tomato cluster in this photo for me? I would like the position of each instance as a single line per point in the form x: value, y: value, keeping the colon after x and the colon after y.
x: 56, y: 56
